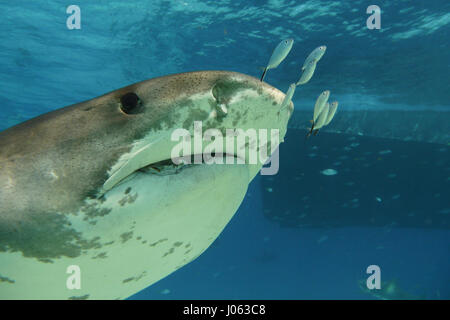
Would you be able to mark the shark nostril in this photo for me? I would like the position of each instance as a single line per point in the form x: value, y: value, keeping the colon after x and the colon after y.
x: 216, y: 92
x: 129, y: 103
x: 224, y: 90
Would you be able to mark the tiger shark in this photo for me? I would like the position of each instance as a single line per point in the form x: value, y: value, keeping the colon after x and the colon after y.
x: 92, y: 185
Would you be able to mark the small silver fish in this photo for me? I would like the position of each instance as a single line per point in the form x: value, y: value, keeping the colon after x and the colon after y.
x: 322, y: 118
x: 289, y: 94
x: 331, y: 112
x: 307, y: 73
x: 316, y: 55
x: 320, y: 103
x: 278, y: 55
x: 322, y: 113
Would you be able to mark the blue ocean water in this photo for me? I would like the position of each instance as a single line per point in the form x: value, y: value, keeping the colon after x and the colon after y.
x: 387, y: 205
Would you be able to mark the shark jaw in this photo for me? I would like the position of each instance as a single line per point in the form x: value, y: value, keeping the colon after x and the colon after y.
x: 141, y: 226
x: 237, y: 147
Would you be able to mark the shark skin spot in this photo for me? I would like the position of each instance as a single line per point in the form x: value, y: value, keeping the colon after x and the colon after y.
x: 126, y: 236
x: 128, y: 190
x: 47, y: 236
x: 132, y: 198
x: 136, y: 278
x: 194, y: 115
x: 188, y: 251
x: 101, y: 255
x: 158, y: 242
x: 168, y: 252
x: 128, y: 280
x: 175, y: 245
x: 91, y: 244
x: 85, y: 297
x: 128, y: 199
x: 6, y: 280
x: 143, y: 274
x: 187, y: 245
x: 93, y: 211
x: 44, y: 260
x: 225, y: 89
x: 166, y: 122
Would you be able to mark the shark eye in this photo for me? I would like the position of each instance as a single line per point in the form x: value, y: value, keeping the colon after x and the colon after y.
x: 129, y: 103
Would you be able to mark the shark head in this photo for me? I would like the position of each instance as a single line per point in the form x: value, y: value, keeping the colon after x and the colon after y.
x: 217, y: 100
x: 95, y: 185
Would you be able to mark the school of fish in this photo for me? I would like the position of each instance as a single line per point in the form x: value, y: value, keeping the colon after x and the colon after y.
x: 323, y: 111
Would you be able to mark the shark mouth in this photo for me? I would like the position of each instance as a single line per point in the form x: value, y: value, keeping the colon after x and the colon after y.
x: 154, y: 156
x: 175, y: 166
